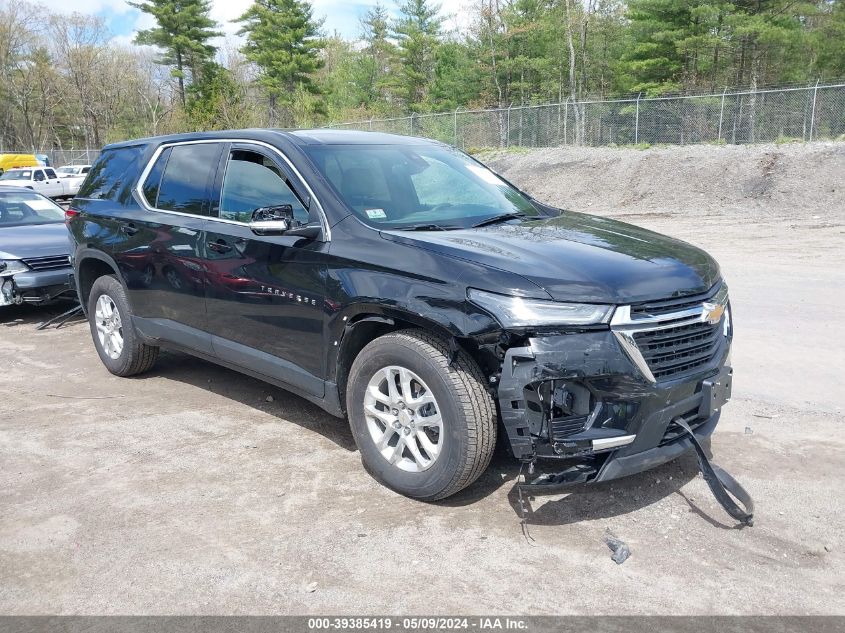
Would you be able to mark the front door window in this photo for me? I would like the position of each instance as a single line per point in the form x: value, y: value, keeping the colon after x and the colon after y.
x: 253, y: 181
x: 265, y: 293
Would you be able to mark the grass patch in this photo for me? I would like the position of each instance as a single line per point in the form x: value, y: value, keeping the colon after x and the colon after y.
x: 498, y: 150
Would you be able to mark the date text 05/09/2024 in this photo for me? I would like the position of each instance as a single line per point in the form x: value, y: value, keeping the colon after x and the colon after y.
x: 418, y: 623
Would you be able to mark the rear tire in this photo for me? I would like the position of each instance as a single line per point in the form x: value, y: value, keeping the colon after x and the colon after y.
x: 119, y: 346
x: 433, y: 432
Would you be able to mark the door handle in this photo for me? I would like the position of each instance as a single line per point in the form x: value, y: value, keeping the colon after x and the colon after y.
x: 129, y: 229
x: 219, y: 246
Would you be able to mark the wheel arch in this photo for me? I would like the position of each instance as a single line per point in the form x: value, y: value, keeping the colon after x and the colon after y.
x: 91, y: 265
x: 365, y: 326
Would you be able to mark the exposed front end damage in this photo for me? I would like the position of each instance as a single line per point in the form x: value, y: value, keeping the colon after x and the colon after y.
x: 35, y: 287
x: 592, y: 409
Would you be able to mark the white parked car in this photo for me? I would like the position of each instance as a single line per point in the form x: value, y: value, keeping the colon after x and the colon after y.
x: 44, y: 180
x: 74, y: 176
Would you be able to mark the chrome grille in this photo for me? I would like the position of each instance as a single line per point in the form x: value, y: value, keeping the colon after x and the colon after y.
x: 678, y: 350
x: 671, y: 338
x: 54, y: 262
x: 667, y: 306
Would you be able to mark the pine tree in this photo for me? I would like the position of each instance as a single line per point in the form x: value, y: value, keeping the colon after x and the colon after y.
x: 215, y: 100
x: 418, y: 32
x: 701, y: 44
x: 653, y: 61
x: 283, y: 40
x: 531, y: 45
x: 521, y: 51
x: 769, y: 39
x: 829, y: 40
x: 456, y: 77
x: 183, y: 33
x: 379, y: 52
x: 344, y: 79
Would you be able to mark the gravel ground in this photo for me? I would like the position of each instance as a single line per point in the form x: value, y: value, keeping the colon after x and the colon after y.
x: 189, y: 491
x: 796, y: 183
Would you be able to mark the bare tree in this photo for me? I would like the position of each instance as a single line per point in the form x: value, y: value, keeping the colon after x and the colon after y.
x: 79, y: 49
x: 574, y: 92
x: 18, y: 38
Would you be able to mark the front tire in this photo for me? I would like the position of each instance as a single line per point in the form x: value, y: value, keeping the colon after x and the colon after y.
x: 117, y: 343
x: 425, y: 427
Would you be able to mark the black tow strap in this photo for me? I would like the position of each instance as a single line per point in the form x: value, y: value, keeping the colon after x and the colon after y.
x: 721, y: 483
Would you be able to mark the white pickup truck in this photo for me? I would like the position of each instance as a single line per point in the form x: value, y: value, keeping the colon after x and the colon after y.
x: 73, y: 176
x: 44, y: 180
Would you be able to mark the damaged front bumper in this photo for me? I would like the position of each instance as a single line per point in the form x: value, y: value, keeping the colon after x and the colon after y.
x: 580, y: 402
x: 35, y: 287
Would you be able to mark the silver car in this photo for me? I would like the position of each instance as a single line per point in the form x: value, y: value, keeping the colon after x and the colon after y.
x: 34, y: 247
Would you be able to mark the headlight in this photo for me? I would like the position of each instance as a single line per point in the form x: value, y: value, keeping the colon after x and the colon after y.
x: 519, y: 312
x: 12, y: 266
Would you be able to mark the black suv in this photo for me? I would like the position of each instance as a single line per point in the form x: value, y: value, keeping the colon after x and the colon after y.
x: 400, y: 283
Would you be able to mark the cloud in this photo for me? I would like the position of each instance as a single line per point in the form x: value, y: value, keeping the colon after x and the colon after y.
x: 341, y: 16
x: 224, y: 11
x: 123, y: 40
x: 91, y: 6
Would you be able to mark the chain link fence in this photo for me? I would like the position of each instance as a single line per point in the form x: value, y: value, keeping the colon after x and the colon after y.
x: 804, y: 113
x: 60, y: 157
x: 786, y: 114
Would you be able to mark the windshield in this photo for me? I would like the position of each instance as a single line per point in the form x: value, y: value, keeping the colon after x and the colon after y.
x: 17, y: 175
x: 68, y: 170
x: 17, y: 209
x: 394, y: 186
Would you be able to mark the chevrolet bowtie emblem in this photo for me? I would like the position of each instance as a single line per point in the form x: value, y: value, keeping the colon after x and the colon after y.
x: 712, y: 312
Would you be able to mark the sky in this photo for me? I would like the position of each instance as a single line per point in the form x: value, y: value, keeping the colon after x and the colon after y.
x: 341, y: 16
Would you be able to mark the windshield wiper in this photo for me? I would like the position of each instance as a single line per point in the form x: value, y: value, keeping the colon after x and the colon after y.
x: 427, y: 227
x: 504, y: 217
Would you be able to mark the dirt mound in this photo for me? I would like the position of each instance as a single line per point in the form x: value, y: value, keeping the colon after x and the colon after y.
x: 794, y: 182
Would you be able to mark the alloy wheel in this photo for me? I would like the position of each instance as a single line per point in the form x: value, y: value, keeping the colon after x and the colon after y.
x: 403, y: 419
x: 109, y: 327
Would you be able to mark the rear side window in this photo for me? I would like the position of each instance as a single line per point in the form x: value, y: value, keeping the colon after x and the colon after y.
x: 50, y: 173
x: 114, y: 169
x: 185, y: 182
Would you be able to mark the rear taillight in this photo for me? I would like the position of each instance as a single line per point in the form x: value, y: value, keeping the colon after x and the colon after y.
x: 70, y: 214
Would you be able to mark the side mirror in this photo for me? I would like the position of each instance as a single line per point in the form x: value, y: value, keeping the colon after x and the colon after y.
x: 275, y: 220
x: 278, y: 212
x: 270, y: 227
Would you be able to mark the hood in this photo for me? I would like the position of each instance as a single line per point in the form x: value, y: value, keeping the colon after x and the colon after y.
x: 39, y: 240
x: 577, y: 257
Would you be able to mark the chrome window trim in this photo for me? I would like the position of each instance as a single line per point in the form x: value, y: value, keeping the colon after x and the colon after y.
x: 624, y: 326
x: 139, y: 187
